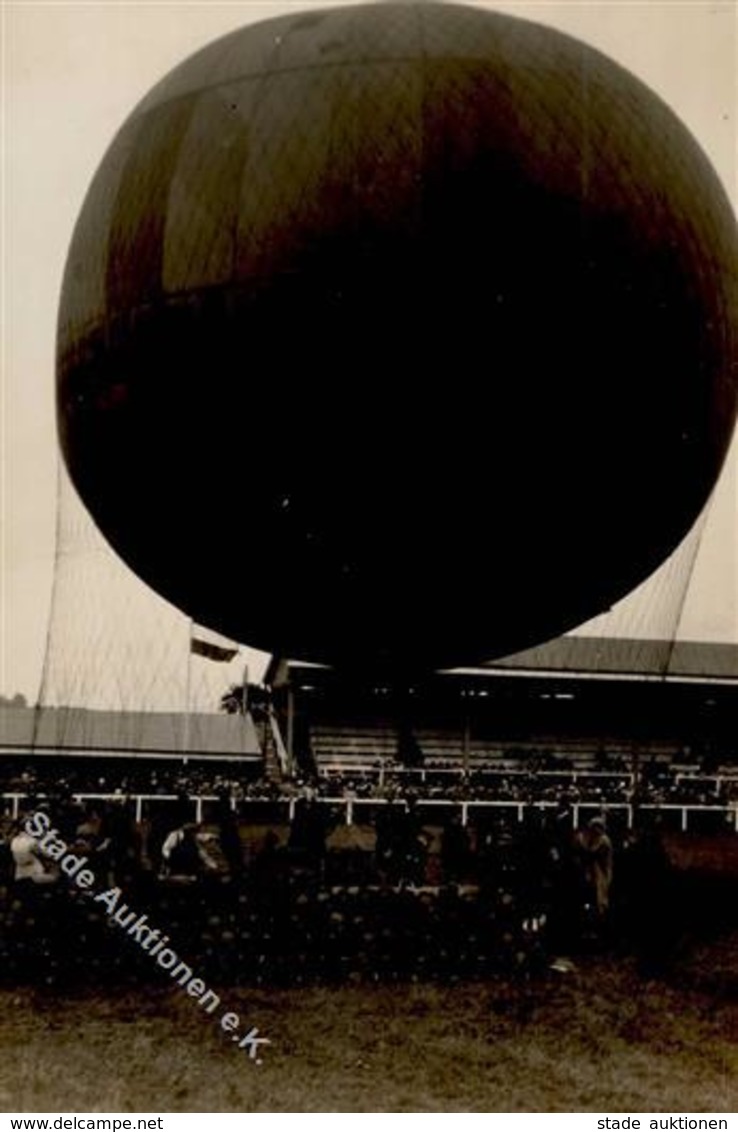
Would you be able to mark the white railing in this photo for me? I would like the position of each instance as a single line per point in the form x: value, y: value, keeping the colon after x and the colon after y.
x: 353, y: 806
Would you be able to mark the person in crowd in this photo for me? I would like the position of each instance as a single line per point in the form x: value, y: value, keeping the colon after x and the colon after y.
x: 596, y: 854
x: 267, y: 870
x: 7, y: 828
x: 410, y: 844
x: 564, y: 881
x: 455, y: 851
x: 184, y: 856
x: 230, y: 838
x: 651, y: 897
x: 121, y: 843
x: 29, y: 865
x: 308, y: 833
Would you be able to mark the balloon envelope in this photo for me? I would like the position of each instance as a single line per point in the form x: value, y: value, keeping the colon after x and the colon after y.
x: 398, y: 335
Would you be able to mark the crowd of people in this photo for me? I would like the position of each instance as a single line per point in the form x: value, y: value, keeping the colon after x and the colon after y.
x: 326, y: 896
x: 516, y: 779
x: 122, y: 777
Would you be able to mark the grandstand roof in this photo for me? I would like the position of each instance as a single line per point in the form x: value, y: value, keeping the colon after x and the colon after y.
x: 627, y: 657
x: 110, y: 732
x: 624, y: 657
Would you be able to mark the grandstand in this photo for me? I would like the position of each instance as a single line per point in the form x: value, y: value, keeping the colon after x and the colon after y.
x: 536, y: 699
x: 623, y: 726
x: 402, y: 817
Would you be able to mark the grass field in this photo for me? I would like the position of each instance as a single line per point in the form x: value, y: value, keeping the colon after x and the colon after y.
x: 597, y: 1039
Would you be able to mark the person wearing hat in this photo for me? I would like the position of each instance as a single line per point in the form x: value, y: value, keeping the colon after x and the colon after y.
x: 596, y: 850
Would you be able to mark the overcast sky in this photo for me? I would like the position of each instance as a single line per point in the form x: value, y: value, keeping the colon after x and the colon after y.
x: 72, y: 73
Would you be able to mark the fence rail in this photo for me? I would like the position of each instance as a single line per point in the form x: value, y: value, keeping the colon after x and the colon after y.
x: 352, y: 806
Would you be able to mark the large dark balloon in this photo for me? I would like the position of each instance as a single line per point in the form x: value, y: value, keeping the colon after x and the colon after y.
x: 398, y: 335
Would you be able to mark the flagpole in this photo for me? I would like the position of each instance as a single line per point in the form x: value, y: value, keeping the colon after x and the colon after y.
x: 188, y: 691
x: 245, y: 690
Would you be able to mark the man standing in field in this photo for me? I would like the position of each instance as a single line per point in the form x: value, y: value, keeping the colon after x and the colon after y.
x: 596, y: 850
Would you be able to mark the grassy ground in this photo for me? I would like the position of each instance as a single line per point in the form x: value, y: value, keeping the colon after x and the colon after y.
x: 598, y: 1039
